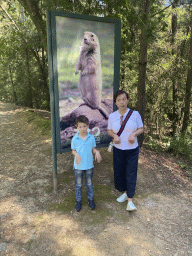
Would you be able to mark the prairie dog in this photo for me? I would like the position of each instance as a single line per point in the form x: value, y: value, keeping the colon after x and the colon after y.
x: 90, y: 79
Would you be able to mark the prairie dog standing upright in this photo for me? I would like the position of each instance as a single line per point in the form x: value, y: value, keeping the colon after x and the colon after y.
x: 90, y: 79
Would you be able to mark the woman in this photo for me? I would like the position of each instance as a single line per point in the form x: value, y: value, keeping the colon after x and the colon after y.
x: 125, y: 148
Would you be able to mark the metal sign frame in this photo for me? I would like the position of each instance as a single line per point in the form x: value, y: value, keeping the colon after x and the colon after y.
x: 53, y: 75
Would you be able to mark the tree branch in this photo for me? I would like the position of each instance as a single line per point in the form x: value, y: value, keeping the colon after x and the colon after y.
x: 161, y: 10
x: 10, y: 17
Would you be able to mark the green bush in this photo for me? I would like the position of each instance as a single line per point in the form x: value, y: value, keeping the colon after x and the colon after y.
x: 182, y: 145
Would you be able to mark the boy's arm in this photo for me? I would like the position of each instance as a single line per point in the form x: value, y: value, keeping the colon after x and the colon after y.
x: 95, y: 150
x: 77, y: 156
x: 74, y: 152
x: 97, y: 155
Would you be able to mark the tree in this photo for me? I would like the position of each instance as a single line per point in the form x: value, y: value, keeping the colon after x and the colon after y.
x: 32, y: 8
x: 155, y: 72
x: 173, y: 78
x: 188, y: 88
x: 13, y: 86
x: 142, y: 64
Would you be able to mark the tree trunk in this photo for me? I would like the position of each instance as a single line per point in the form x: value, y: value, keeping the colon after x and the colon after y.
x: 13, y: 87
x: 45, y: 79
x: 122, y: 72
x: 34, y: 12
x: 142, y: 66
x: 188, y: 88
x: 173, y: 78
x: 29, y: 95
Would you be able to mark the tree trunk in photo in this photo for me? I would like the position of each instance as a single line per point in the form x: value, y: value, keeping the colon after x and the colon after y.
x: 188, y: 88
x: 142, y: 67
x: 13, y: 87
x: 173, y: 78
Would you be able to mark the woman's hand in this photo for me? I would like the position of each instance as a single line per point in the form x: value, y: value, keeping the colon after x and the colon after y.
x: 131, y: 138
x: 116, y: 139
x: 77, y: 158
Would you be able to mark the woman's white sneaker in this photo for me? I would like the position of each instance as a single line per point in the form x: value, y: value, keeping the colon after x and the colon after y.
x: 122, y: 198
x: 131, y: 206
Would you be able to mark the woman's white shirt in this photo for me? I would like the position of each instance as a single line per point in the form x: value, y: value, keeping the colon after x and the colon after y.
x: 134, y: 123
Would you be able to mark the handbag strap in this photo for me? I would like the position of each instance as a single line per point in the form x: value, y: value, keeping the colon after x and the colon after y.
x: 124, y: 122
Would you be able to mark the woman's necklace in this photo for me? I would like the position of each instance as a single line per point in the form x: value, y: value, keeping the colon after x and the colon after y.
x: 121, y: 120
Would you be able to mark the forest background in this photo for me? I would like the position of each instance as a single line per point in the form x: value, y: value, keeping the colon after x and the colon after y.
x: 156, y: 60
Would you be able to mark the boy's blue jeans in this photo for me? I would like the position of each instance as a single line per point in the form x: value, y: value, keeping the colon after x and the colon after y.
x: 79, y: 182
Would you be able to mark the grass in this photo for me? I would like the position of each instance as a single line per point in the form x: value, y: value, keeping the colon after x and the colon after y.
x: 39, y: 123
x: 102, y: 196
x: 28, y: 244
x: 103, y: 192
x: 66, y: 206
x: 65, y: 177
x: 49, y: 189
x: 47, y: 151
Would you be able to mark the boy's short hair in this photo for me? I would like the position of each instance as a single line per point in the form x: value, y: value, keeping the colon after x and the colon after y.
x: 82, y: 119
x: 119, y: 92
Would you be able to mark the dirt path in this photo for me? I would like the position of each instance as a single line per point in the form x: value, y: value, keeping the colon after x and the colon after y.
x: 35, y: 221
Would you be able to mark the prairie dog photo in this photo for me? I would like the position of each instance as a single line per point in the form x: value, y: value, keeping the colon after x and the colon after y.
x: 89, y: 62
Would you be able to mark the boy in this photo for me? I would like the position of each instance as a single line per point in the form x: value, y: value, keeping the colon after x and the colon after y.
x: 82, y: 145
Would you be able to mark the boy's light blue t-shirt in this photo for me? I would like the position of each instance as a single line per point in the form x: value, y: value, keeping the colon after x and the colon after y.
x: 84, y: 149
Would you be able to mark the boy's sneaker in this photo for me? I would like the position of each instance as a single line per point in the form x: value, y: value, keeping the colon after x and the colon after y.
x: 122, y: 198
x: 91, y: 204
x: 78, y: 206
x: 131, y: 206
